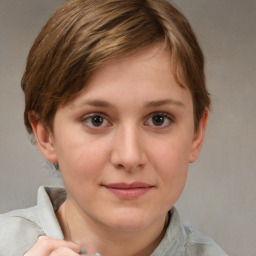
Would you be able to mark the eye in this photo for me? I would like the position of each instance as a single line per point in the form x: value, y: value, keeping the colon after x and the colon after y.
x: 95, y: 121
x: 161, y: 120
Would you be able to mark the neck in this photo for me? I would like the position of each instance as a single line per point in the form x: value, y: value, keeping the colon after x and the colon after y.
x: 79, y: 228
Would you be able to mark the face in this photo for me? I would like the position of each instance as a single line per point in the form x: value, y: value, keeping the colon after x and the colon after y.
x: 124, y: 144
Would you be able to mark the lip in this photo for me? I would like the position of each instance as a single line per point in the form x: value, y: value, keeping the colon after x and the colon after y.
x: 128, y: 191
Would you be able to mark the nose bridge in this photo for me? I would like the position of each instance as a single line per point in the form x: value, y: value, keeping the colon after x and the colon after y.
x: 128, y: 151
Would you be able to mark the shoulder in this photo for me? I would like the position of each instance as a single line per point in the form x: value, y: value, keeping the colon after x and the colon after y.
x: 16, y: 228
x: 181, y: 240
x: 199, y: 244
x: 16, y: 220
x: 20, y: 229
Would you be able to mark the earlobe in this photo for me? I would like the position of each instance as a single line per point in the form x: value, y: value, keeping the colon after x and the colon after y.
x: 45, y: 141
x: 199, y: 137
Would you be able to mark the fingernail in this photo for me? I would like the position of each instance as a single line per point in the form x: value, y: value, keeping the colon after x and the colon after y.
x: 83, y: 251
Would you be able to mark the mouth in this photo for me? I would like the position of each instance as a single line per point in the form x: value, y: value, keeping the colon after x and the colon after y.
x: 128, y: 191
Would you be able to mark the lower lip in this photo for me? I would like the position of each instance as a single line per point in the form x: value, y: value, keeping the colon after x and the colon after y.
x: 129, y: 193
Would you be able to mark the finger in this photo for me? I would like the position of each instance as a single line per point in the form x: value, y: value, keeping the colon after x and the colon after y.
x: 63, y: 251
x: 46, y: 245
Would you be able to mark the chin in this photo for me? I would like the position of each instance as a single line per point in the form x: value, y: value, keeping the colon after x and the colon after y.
x: 130, y: 221
x: 131, y: 226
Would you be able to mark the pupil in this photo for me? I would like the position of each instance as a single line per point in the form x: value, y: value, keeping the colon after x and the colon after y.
x: 158, y: 120
x: 97, y: 120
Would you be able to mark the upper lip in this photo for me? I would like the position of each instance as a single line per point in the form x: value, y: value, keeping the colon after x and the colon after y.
x: 123, y: 185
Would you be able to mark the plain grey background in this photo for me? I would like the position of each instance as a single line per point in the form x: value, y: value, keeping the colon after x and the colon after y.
x: 220, y: 196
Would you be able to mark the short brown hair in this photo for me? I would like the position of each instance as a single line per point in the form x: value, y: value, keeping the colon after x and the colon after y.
x: 84, y: 34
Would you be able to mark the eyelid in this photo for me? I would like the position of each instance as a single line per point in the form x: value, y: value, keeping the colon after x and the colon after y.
x: 161, y: 113
x: 94, y: 114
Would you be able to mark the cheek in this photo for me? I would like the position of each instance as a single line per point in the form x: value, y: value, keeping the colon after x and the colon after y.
x: 79, y: 159
x: 170, y: 159
x: 172, y: 152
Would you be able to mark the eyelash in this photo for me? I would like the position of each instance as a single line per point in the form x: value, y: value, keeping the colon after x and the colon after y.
x: 88, y: 119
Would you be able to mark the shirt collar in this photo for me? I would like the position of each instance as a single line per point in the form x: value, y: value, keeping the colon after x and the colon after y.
x: 173, y: 242
x: 48, y: 201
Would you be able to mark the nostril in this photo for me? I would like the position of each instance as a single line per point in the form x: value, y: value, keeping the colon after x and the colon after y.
x: 120, y: 166
x: 129, y: 168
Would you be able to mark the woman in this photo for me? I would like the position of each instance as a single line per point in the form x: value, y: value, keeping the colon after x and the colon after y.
x: 115, y: 97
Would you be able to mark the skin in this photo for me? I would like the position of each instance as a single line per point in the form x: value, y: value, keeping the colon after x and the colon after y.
x: 48, y: 246
x: 131, y: 123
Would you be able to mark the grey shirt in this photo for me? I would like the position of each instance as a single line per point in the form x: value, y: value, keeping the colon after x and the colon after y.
x: 20, y: 229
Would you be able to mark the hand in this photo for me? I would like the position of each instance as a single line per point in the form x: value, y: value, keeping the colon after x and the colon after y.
x: 46, y: 246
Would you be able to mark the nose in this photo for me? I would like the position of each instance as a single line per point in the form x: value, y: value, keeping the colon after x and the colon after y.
x: 128, y: 152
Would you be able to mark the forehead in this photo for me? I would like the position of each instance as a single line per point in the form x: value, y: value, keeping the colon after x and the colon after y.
x: 156, y: 58
x: 146, y: 75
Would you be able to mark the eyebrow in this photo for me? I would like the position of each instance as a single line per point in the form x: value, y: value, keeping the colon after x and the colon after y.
x: 98, y: 103
x: 157, y: 103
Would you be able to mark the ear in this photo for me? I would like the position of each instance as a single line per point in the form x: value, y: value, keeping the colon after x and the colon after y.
x: 199, y: 137
x: 45, y: 140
